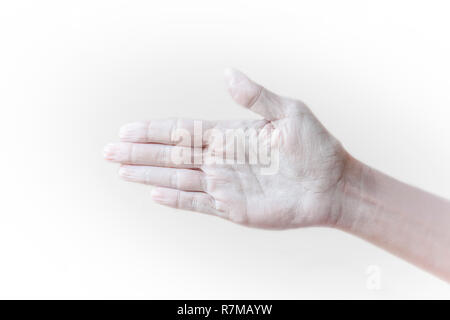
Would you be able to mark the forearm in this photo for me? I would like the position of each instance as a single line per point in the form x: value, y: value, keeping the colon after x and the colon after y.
x: 402, y: 219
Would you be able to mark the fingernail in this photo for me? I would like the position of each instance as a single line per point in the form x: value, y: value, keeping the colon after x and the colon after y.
x: 118, y: 152
x: 109, y: 151
x: 130, y: 173
x: 160, y: 196
x: 234, y: 76
x: 123, y: 171
x: 133, y: 131
x: 157, y: 194
x: 242, y: 89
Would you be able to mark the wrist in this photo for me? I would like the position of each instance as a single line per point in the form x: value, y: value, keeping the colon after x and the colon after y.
x: 351, y: 194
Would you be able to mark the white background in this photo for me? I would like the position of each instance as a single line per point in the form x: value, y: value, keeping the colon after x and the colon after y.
x: 71, y: 72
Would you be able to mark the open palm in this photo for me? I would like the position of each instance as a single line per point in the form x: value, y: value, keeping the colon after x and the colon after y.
x: 300, y: 185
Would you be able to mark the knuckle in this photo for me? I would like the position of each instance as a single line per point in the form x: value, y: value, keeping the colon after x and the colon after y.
x: 194, y: 202
x: 204, y: 184
x: 254, y: 97
x: 148, y: 132
x: 163, y: 155
x: 296, y: 106
x: 175, y: 180
x: 178, y: 199
x: 174, y: 130
x: 132, y: 153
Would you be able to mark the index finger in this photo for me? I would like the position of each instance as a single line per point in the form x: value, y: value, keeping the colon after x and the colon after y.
x: 182, y: 132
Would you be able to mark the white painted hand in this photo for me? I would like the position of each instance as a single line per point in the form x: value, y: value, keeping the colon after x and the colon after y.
x: 302, y: 188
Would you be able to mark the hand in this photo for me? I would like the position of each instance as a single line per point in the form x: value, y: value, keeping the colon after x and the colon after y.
x: 312, y: 180
x: 303, y: 189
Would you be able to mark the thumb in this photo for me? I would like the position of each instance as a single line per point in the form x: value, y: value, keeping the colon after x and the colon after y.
x: 255, y: 97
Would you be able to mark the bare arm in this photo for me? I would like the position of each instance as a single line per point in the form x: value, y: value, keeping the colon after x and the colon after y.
x: 409, y: 222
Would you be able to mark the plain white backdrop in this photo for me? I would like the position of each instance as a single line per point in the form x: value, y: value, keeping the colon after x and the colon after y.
x: 376, y: 73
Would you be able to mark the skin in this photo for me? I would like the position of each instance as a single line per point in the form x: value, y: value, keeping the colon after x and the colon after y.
x: 317, y: 182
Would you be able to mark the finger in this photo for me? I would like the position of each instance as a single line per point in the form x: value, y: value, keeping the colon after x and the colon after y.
x: 153, y: 155
x: 193, y: 201
x: 180, y: 132
x: 258, y: 99
x: 182, y: 179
